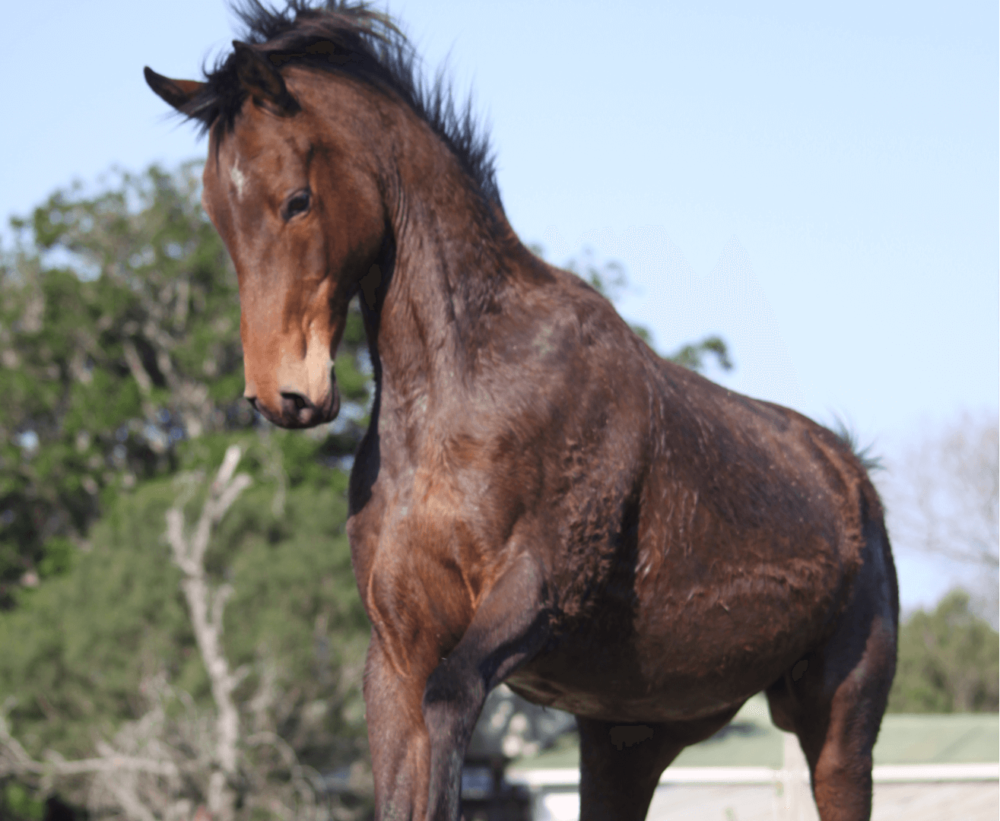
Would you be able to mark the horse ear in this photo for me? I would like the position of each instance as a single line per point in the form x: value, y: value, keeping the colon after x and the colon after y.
x: 176, y: 92
x: 262, y: 80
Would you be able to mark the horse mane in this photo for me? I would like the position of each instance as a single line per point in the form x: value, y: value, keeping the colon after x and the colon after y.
x: 353, y: 39
x: 869, y: 460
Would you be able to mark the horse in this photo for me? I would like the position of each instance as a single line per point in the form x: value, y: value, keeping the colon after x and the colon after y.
x: 540, y: 499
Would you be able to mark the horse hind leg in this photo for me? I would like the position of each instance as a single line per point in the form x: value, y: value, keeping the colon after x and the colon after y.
x: 834, y: 699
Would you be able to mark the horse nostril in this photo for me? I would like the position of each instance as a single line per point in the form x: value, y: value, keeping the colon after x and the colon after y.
x: 297, y: 407
x: 253, y: 402
x: 295, y: 400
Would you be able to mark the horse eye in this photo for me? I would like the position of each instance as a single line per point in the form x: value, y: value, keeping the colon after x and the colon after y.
x: 298, y: 203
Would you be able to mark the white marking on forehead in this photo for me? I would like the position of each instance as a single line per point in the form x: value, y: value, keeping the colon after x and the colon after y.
x: 238, y: 177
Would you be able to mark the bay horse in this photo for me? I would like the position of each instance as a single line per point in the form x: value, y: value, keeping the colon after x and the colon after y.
x: 539, y: 498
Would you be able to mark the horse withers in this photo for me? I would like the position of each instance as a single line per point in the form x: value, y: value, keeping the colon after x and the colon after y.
x: 539, y: 499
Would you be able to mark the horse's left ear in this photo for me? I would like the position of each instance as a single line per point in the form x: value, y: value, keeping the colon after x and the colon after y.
x: 176, y: 92
x: 263, y: 81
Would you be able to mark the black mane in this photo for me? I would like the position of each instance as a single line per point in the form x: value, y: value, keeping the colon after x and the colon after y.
x: 353, y: 39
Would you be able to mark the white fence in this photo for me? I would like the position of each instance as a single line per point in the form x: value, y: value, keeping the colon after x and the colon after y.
x: 914, y: 792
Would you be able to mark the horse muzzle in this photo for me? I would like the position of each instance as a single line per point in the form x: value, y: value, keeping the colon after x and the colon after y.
x: 293, y: 409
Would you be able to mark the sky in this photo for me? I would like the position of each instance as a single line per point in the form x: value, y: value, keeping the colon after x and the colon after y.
x: 818, y: 183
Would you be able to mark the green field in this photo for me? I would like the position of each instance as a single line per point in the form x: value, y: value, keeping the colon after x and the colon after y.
x: 752, y: 741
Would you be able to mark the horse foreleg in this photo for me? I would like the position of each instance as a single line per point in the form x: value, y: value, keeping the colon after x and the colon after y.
x: 506, y: 630
x: 397, y: 738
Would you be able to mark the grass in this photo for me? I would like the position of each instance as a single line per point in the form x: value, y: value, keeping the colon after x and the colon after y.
x: 938, y: 739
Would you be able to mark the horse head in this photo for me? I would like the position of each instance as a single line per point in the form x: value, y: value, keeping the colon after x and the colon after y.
x: 302, y: 225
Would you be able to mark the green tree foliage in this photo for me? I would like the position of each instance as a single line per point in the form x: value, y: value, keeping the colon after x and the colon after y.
x: 119, y: 338
x: 78, y: 647
x: 949, y: 661
x: 84, y: 652
x: 693, y: 355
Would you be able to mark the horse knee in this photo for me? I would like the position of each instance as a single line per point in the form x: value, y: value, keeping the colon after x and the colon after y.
x: 453, y: 697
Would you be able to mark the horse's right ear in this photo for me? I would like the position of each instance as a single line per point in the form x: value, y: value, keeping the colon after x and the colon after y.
x: 176, y: 92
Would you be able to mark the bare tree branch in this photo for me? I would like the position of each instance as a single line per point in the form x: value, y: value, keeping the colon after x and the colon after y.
x: 303, y: 789
x: 125, y: 790
x: 113, y: 763
x: 119, y: 770
x: 135, y: 366
x: 942, y: 496
x: 206, y: 610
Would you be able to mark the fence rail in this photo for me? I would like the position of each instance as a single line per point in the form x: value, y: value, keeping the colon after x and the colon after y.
x: 881, y: 774
x: 918, y: 792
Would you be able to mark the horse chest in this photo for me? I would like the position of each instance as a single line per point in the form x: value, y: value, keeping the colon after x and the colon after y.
x: 422, y: 562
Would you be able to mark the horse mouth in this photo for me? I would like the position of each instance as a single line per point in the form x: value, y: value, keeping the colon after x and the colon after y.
x: 296, y: 410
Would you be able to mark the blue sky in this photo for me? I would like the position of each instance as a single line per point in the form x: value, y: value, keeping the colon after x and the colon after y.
x: 817, y: 184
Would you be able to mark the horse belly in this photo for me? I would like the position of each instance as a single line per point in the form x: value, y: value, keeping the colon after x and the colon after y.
x: 609, y: 685
x: 688, y: 646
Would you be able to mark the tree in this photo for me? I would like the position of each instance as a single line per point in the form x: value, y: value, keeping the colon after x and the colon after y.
x: 948, y: 492
x: 942, y: 498
x: 949, y: 661
x: 210, y: 662
x: 206, y: 606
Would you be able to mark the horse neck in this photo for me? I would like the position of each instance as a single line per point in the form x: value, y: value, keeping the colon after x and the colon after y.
x: 453, y: 253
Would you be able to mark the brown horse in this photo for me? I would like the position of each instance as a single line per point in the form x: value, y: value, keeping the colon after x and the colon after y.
x: 540, y: 499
